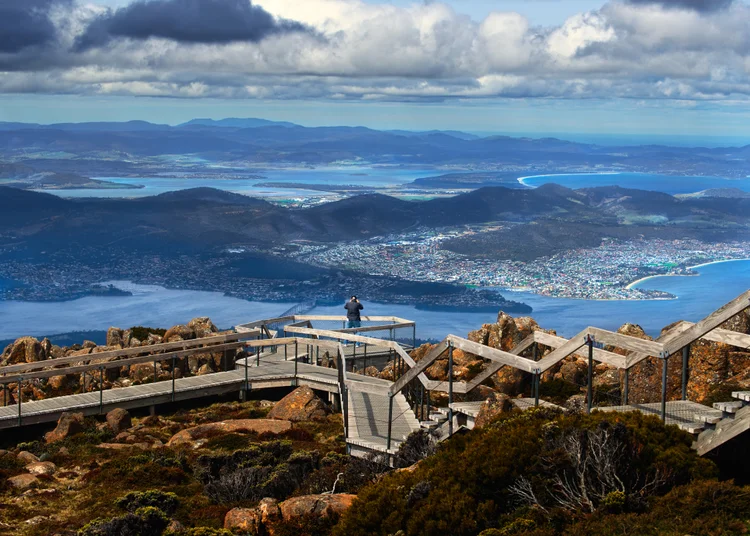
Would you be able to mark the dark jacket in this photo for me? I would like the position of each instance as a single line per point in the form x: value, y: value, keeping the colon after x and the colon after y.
x: 352, y: 310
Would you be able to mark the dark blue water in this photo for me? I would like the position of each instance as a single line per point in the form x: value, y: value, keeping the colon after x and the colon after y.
x: 155, y: 306
x: 640, y: 181
x: 698, y: 296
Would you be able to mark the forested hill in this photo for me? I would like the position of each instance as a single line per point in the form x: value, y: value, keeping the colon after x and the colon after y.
x: 203, y: 219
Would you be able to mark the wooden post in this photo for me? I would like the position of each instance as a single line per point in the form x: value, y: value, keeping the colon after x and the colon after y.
x: 626, y: 394
x: 685, y: 370
x: 664, y: 388
x: 174, y: 360
x: 450, y: 389
x: 20, y: 381
x: 590, y: 386
x: 390, y: 421
x: 537, y: 381
x: 296, y: 359
x: 101, y: 390
x: 414, y: 337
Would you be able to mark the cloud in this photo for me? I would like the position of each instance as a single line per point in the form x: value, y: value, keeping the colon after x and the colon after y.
x: 26, y: 23
x: 697, y: 5
x: 380, y: 51
x: 187, y: 21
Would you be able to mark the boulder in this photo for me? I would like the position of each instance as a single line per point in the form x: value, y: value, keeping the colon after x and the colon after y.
x: 89, y: 344
x: 179, y: 333
x: 574, y: 371
x: 197, y: 436
x: 25, y: 481
x: 496, y: 404
x: 269, y: 510
x: 202, y: 326
x: 27, y: 457
x: 114, y: 337
x: 483, y: 392
x: 69, y: 424
x: 317, y: 505
x: 299, y: 405
x: 118, y: 420
x: 24, y: 350
x: 41, y: 468
x: 243, y: 520
x: 576, y: 404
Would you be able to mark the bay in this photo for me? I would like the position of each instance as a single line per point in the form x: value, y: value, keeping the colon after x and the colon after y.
x: 360, y: 176
x: 640, y: 181
x: 155, y: 306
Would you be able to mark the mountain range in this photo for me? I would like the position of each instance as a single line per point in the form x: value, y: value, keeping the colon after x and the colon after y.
x: 542, y: 220
x: 83, y: 147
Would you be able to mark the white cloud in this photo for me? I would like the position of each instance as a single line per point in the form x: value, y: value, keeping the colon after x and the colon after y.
x: 424, y: 51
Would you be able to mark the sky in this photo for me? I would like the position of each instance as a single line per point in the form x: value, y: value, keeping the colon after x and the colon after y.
x: 650, y: 67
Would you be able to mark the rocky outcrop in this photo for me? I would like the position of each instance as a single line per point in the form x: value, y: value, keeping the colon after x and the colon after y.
x: 41, y: 468
x: 495, y: 405
x: 258, y: 520
x: 198, y: 435
x: 69, y: 424
x: 25, y: 350
x: 118, y: 420
x: 317, y: 505
x: 24, y: 481
x: 300, y: 405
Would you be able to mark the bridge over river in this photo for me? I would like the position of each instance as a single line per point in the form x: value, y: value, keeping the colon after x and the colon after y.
x: 378, y: 414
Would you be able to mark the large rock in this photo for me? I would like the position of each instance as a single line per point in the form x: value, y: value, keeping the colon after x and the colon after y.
x: 243, y: 520
x: 114, y: 337
x: 25, y: 481
x: 41, y: 468
x: 202, y: 326
x: 118, y: 420
x: 179, y: 333
x: 198, y: 435
x: 27, y: 457
x: 317, y: 505
x: 299, y: 405
x: 69, y: 424
x: 496, y: 404
x: 24, y: 350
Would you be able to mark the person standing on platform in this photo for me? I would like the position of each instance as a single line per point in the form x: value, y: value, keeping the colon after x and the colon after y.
x: 353, y: 307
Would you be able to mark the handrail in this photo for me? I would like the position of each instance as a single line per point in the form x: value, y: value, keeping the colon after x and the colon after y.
x: 110, y: 354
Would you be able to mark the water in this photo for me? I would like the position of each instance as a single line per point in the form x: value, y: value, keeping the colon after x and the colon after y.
x: 698, y: 296
x: 372, y: 177
x: 640, y: 181
x: 155, y: 306
x: 150, y: 305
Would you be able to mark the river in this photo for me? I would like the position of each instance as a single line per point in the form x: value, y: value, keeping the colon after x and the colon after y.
x: 155, y: 306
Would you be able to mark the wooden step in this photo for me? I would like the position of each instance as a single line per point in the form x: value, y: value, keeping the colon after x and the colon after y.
x: 708, y: 419
x: 729, y: 407
x: 744, y: 396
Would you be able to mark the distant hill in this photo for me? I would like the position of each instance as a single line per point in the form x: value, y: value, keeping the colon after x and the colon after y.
x: 233, y: 122
x: 540, y: 221
x: 718, y: 192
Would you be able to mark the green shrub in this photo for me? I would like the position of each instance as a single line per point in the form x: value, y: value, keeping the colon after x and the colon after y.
x: 489, y: 478
x: 148, y: 521
x: 207, y: 531
x: 141, y: 333
x: 165, y: 501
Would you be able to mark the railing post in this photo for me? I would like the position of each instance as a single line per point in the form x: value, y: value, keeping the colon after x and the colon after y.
x: 626, y: 393
x: 665, y: 363
x: 450, y: 389
x: 296, y: 360
x: 390, y: 422
x: 174, y: 360
x: 247, y: 383
x: 685, y: 370
x: 537, y: 381
x: 101, y: 390
x: 590, y: 386
x: 20, y: 395
x: 535, y: 351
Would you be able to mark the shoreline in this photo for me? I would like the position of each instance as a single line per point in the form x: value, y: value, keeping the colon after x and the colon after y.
x: 632, y: 285
x: 522, y: 180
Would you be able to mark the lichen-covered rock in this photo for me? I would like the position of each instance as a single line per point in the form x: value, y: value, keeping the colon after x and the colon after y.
x: 118, y: 420
x: 317, y: 505
x: 27, y: 457
x: 41, y: 468
x: 23, y: 350
x: 300, y: 405
x: 197, y: 436
x: 179, y: 333
x: 25, y: 481
x: 114, y: 337
x: 496, y: 404
x: 202, y: 326
x: 69, y: 424
x: 243, y: 520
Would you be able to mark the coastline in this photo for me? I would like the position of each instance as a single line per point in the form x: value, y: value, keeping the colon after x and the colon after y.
x: 522, y: 180
x: 643, y: 279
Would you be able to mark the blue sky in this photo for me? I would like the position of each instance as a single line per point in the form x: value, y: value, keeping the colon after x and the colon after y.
x: 534, y: 67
